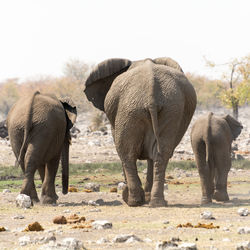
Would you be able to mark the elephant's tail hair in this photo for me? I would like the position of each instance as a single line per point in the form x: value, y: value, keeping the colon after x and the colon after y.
x: 208, y: 137
x: 153, y: 114
x: 27, y: 126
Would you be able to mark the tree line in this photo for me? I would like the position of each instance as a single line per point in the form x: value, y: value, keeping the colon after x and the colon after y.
x: 232, y: 90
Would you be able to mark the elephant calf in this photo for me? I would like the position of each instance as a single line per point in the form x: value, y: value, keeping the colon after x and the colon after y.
x: 211, y: 139
x: 38, y: 127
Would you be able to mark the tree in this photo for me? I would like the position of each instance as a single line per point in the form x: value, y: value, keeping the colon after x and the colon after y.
x: 9, y: 94
x: 236, y: 91
x: 76, y: 70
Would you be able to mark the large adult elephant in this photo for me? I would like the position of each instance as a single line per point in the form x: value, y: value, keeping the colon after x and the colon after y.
x: 149, y: 104
x: 38, y: 127
x: 211, y: 139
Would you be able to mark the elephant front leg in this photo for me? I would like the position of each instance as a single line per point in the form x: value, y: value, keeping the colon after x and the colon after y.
x: 133, y: 193
x: 157, y: 194
x: 149, y: 181
x: 49, y: 195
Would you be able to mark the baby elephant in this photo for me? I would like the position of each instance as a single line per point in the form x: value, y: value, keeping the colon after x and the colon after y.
x: 211, y: 139
x: 38, y: 127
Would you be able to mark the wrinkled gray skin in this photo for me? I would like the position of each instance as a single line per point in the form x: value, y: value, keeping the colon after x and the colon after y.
x: 149, y: 104
x: 211, y: 139
x: 38, y: 127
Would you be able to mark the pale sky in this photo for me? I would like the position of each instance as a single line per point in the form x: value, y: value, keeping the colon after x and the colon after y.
x: 37, y: 37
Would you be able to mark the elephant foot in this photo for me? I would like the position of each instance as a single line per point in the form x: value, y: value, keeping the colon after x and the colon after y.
x: 125, y: 194
x: 147, y: 197
x: 35, y: 199
x: 220, y: 196
x: 158, y: 203
x: 48, y: 200
x: 133, y: 200
x: 206, y: 200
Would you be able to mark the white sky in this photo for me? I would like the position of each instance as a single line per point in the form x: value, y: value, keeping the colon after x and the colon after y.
x: 37, y: 37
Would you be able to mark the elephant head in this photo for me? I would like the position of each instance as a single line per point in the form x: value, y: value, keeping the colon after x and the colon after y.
x: 70, y: 113
x: 234, y: 125
x: 102, y: 76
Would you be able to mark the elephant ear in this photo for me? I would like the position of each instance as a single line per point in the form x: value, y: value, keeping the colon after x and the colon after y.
x: 234, y: 125
x: 100, y: 79
x: 168, y: 62
x: 70, y: 110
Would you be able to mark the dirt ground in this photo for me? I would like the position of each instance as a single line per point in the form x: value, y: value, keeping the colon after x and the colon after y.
x: 149, y: 224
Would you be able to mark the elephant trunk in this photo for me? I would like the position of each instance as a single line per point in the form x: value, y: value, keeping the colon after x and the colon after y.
x: 65, y: 164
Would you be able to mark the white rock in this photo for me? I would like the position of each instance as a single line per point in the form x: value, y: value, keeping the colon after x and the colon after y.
x: 243, y: 211
x: 23, y: 201
x: 18, y: 217
x: 243, y: 246
x: 166, y: 245
x: 166, y: 222
x: 243, y: 230
x: 72, y: 243
x: 187, y: 246
x: 147, y: 240
x: 101, y: 224
x: 92, y: 186
x: 6, y: 191
x: 102, y: 241
x: 128, y: 238
x: 133, y: 239
x: 226, y: 240
x: 207, y: 215
x: 66, y: 211
x: 226, y: 229
x: 95, y: 210
x: 23, y: 241
x: 121, y: 185
x: 93, y: 203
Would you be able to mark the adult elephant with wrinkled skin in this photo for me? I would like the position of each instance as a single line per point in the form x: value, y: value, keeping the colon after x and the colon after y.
x: 149, y: 104
x: 211, y: 139
x: 38, y: 127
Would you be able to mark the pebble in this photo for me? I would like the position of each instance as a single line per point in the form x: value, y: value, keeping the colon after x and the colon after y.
x: 128, y: 238
x: 243, y: 245
x: 23, y: 201
x: 94, y: 187
x: 24, y: 240
x: 102, y: 241
x: 18, y: 217
x: 6, y: 191
x: 72, y: 243
x: 95, y: 210
x: 243, y: 211
x: 207, y: 215
x: 92, y: 203
x: 243, y: 230
x: 101, y: 224
x: 121, y: 185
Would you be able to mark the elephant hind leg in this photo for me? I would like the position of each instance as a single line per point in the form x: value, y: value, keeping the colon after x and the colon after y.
x: 223, y: 164
x: 133, y: 194
x: 149, y: 181
x: 49, y: 195
x: 28, y: 186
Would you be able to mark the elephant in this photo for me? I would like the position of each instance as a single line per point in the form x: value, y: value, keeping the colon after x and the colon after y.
x: 38, y: 127
x: 211, y: 139
x: 149, y: 104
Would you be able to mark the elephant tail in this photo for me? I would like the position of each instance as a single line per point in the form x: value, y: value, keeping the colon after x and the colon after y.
x: 208, y: 137
x: 27, y: 127
x: 154, y: 119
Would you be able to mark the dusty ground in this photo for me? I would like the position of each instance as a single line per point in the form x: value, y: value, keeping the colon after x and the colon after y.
x: 144, y: 222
